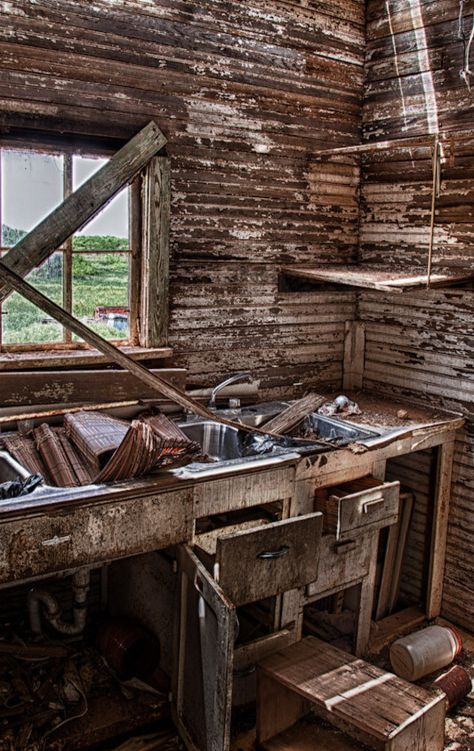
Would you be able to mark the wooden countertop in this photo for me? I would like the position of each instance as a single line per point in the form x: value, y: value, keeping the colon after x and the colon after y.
x: 381, y: 414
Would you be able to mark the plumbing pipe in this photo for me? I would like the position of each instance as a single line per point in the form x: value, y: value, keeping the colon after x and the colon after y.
x: 51, y: 610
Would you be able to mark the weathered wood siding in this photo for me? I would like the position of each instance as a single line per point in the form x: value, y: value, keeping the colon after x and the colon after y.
x: 244, y: 92
x: 421, y: 346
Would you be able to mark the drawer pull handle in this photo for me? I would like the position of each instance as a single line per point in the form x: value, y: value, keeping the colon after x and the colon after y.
x: 345, y: 546
x: 269, y: 554
x: 53, y: 541
x: 369, y: 505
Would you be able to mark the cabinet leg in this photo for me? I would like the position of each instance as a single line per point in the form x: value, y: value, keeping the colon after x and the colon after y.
x: 278, y: 708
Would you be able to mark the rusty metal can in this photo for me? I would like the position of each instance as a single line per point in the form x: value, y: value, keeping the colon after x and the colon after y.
x: 129, y: 648
x: 456, y: 684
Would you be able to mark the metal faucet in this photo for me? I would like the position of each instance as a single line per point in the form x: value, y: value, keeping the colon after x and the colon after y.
x: 233, y: 379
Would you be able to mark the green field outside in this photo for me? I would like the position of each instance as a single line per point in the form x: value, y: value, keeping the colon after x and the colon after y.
x: 98, y: 279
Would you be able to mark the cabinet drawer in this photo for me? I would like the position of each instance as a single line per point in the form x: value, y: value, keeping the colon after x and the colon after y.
x: 267, y: 560
x: 56, y: 541
x: 358, y: 507
x: 341, y: 563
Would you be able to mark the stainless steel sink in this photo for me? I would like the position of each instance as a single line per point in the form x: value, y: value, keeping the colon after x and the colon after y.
x: 227, y: 446
x: 218, y: 442
x: 338, y: 432
x: 254, y: 415
x: 331, y: 429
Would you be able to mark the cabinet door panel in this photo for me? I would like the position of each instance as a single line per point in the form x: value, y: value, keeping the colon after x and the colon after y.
x: 207, y: 629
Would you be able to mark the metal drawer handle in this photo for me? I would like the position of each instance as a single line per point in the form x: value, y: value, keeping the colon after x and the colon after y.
x: 284, y: 550
x: 345, y: 546
x: 369, y: 505
x: 53, y: 541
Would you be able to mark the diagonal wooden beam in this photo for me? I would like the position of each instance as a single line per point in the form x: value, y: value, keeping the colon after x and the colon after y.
x: 13, y: 280
x: 116, y: 355
x: 82, y: 205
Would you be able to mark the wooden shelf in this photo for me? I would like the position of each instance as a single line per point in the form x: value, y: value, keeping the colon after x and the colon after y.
x: 372, y: 277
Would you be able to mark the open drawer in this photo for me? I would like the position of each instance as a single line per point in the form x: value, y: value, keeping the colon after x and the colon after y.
x: 262, y: 561
x: 357, y: 507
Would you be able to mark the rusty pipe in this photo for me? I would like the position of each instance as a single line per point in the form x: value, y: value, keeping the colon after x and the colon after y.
x: 43, y: 603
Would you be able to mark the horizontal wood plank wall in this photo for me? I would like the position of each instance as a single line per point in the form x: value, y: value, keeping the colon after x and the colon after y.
x: 421, y: 346
x: 244, y: 92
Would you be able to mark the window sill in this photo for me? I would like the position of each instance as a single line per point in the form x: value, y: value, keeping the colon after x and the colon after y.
x: 71, y: 358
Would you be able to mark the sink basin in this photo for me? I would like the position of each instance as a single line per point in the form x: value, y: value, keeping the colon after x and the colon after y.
x: 227, y: 446
x: 331, y: 429
x: 219, y: 442
x: 253, y: 415
x: 339, y: 432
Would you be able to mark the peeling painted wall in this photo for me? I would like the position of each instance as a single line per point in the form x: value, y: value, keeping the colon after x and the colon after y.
x: 421, y: 345
x: 245, y: 92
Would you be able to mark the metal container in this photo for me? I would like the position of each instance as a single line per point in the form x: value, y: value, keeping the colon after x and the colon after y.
x: 424, y: 651
x: 456, y: 684
x: 129, y: 648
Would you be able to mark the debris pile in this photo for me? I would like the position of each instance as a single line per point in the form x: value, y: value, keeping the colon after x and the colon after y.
x: 95, y: 447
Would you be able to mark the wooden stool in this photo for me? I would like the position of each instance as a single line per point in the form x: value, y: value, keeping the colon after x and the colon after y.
x: 369, y: 704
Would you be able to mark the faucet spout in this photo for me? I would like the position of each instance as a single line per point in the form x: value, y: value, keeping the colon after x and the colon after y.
x: 232, y: 379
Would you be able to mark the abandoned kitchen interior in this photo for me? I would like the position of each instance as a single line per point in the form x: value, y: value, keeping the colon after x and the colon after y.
x: 236, y: 375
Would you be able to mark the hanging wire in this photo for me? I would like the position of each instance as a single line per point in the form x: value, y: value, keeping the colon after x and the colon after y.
x: 467, y: 40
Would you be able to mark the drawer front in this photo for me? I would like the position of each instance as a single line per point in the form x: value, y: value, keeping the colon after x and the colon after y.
x: 341, y: 563
x: 367, y: 510
x: 48, y: 543
x: 267, y: 560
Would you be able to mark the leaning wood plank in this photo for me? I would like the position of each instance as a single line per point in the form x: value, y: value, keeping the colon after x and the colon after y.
x: 387, y: 571
x: 292, y: 416
x: 139, y: 371
x: 82, y: 205
x: 439, y: 529
x: 154, y: 382
x: 394, y: 551
x: 405, y: 519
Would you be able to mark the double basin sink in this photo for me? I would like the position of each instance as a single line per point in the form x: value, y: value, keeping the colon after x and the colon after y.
x: 226, y: 446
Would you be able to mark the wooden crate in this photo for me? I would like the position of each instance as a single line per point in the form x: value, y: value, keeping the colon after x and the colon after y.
x: 371, y: 705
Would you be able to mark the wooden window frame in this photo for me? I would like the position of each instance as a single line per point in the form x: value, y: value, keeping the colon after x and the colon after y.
x: 149, y: 215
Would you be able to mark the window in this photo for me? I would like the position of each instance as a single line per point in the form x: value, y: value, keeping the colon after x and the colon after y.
x: 90, y: 275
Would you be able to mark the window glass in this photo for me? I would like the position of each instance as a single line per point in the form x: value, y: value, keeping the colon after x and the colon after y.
x: 112, y: 221
x: 23, y: 322
x: 31, y: 187
x: 89, y: 275
x: 100, y: 292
